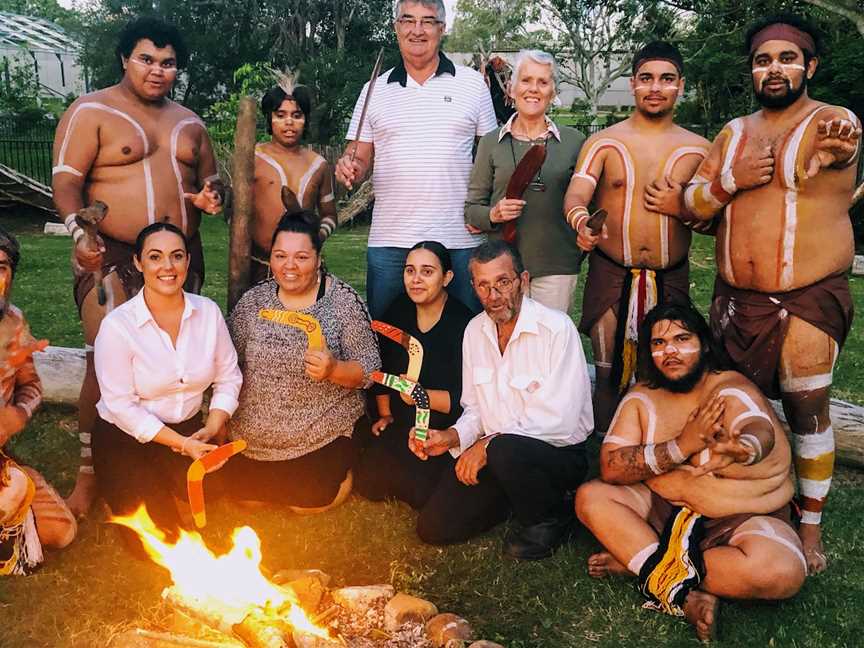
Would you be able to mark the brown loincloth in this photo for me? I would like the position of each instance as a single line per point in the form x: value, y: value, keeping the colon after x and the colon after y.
x: 118, y: 259
x: 752, y: 325
x: 607, y: 280
x: 717, y: 531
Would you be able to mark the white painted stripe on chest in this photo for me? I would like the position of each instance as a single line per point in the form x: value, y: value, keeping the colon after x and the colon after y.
x: 273, y: 163
x: 148, y: 177
x: 304, y: 181
x: 737, y: 129
x: 677, y: 154
x: 628, y: 188
x: 175, y: 135
x: 790, y: 200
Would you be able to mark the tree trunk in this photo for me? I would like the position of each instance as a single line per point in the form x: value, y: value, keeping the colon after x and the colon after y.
x: 242, y: 174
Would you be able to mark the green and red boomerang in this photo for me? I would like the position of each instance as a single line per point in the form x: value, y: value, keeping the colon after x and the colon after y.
x: 416, y: 392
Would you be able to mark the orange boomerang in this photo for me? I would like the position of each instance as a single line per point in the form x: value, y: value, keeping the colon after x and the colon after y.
x: 199, y: 468
x: 409, y: 343
x: 307, y: 323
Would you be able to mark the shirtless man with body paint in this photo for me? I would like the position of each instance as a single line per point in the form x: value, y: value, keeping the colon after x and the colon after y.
x: 284, y: 163
x: 635, y: 171
x: 147, y: 158
x: 692, y: 435
x: 780, y: 183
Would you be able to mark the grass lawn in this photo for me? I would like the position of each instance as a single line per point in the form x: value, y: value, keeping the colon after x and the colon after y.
x: 93, y: 590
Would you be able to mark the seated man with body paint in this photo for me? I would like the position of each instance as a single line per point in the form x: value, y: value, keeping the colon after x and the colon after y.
x: 695, y: 486
x: 32, y: 514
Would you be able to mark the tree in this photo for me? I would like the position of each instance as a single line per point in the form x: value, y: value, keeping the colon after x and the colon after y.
x: 487, y: 25
x: 846, y: 8
x: 594, y: 39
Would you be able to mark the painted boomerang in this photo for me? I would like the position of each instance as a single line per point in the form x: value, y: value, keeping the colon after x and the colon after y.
x: 523, y: 175
x: 199, y: 468
x: 416, y: 392
x: 411, y: 344
x: 307, y: 323
x: 19, y: 356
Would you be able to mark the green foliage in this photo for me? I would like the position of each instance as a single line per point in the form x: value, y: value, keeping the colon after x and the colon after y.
x: 47, y: 9
x: 19, y: 94
x: 489, y: 25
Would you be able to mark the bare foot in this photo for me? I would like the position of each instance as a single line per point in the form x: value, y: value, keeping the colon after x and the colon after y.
x: 814, y: 552
x: 603, y: 564
x: 702, y: 609
x: 81, y: 499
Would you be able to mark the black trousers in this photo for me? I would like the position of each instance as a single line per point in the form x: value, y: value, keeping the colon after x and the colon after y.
x: 524, y: 475
x: 388, y: 469
x: 309, y: 481
x: 130, y: 473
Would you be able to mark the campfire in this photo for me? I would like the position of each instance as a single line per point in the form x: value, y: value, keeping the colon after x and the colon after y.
x: 229, y: 596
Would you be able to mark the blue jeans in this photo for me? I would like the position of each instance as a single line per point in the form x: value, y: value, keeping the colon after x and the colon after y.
x: 384, y: 278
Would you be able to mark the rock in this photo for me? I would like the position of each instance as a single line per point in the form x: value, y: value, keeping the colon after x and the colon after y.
x: 402, y: 608
x: 483, y: 643
x: 287, y: 575
x: 361, y: 598
x: 443, y: 628
x: 308, y: 591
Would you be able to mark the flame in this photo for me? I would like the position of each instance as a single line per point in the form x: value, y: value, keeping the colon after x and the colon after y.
x: 234, y: 578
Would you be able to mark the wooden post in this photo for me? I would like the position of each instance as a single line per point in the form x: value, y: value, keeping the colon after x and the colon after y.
x: 242, y: 177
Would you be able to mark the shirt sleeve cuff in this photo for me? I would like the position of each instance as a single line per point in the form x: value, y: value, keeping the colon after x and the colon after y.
x: 147, y: 429
x: 466, y: 440
x: 224, y: 402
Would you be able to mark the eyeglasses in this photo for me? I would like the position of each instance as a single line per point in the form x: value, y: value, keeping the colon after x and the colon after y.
x: 502, y: 286
x: 427, y: 24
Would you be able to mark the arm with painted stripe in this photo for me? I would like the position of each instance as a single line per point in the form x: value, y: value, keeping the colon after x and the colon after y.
x: 211, y: 191
x: 747, y: 438
x: 719, y: 178
x: 580, y: 192
x: 76, y: 145
x: 327, y: 203
x: 838, y: 142
x: 626, y: 458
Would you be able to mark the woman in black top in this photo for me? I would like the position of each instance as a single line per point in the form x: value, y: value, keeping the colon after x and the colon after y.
x: 437, y: 320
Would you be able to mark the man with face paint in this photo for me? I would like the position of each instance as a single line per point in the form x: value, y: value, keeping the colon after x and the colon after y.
x: 780, y: 182
x: 32, y: 514
x: 635, y: 171
x: 282, y: 163
x: 519, y: 443
x: 147, y: 158
x: 695, y: 487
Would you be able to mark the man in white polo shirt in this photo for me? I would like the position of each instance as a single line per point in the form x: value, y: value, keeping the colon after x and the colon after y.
x: 526, y: 401
x: 421, y: 123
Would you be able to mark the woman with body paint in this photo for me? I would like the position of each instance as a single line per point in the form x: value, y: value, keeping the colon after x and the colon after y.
x: 544, y: 239
x: 437, y: 321
x: 155, y: 357
x: 284, y: 164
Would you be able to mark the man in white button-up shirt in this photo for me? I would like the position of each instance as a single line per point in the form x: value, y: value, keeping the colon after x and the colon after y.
x: 526, y: 398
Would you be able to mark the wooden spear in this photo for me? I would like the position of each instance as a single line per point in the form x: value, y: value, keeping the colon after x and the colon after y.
x: 242, y: 177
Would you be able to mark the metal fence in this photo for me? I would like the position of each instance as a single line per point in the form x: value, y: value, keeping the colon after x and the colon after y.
x: 25, y: 145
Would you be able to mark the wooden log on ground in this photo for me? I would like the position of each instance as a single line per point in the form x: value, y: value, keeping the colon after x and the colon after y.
x: 62, y: 372
x: 242, y: 177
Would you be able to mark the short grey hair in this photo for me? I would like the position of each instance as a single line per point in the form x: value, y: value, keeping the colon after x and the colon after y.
x: 537, y: 56
x: 437, y: 5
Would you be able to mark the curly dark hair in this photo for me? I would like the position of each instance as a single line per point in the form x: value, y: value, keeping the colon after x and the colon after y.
x: 155, y: 29
x: 659, y: 50
x: 274, y: 97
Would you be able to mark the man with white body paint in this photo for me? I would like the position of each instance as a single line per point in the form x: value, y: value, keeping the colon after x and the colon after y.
x: 147, y: 158
x: 635, y: 171
x: 780, y: 182
x: 695, y: 490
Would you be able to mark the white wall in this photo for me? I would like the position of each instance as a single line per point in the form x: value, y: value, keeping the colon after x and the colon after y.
x: 70, y: 80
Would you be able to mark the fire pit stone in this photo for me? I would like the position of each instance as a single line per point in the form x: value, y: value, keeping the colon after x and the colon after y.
x: 360, y: 599
x: 483, y: 643
x: 403, y: 607
x: 444, y: 628
x: 284, y: 576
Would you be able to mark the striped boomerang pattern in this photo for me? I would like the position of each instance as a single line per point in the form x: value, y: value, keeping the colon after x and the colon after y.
x: 411, y: 344
x: 416, y: 392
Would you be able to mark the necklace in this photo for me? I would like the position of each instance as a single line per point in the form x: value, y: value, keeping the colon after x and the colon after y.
x: 537, y: 183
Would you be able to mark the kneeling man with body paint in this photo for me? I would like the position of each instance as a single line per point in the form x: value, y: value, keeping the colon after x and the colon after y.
x: 695, y: 489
